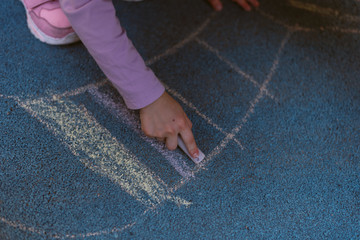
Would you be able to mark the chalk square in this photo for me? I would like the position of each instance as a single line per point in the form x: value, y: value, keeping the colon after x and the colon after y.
x: 247, y: 41
x: 211, y: 86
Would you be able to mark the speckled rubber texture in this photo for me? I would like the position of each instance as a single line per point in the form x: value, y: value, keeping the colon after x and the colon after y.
x: 274, y: 98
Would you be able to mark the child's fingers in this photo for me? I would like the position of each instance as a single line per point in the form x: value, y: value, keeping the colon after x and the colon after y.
x: 171, y: 142
x: 255, y: 3
x: 160, y: 139
x: 216, y: 4
x: 189, y: 141
x: 244, y: 4
x: 189, y: 123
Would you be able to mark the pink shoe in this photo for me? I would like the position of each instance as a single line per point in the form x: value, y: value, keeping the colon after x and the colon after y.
x: 48, y: 23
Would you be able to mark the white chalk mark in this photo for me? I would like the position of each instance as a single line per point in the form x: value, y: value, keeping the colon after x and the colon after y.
x: 227, y: 61
x: 191, y: 106
x: 231, y: 65
x: 54, y: 235
x: 342, y: 30
x: 79, y: 90
x: 98, y: 233
x: 289, y: 27
x: 9, y: 97
x: 182, y: 43
x: 99, y: 150
x: 239, y: 143
x: 324, y: 11
x: 254, y: 102
x: 120, y: 111
x: 221, y: 146
x: 23, y: 227
x: 296, y: 27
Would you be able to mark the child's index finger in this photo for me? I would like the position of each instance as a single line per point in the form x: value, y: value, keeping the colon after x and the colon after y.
x: 196, y: 160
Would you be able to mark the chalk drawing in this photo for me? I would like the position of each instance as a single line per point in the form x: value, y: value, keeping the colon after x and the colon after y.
x: 100, y: 151
x: 318, y: 10
x: 190, y: 105
x: 79, y: 90
x: 231, y: 65
x: 120, y: 111
x: 323, y: 11
x: 221, y: 146
x: 23, y: 227
x: 285, y: 25
x: 253, y: 103
x: 80, y: 132
x: 49, y: 234
x: 182, y: 43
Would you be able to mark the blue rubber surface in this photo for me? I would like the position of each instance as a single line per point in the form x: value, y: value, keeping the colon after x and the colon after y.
x: 274, y: 97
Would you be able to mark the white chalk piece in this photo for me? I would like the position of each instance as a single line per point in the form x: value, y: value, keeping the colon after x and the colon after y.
x: 197, y: 160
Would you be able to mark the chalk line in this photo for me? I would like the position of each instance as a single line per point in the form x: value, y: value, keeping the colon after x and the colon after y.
x: 98, y: 233
x: 231, y: 65
x: 9, y: 97
x: 342, y: 30
x: 120, y: 111
x: 83, y: 135
x: 221, y: 146
x: 182, y: 43
x: 23, y: 227
x: 296, y: 27
x: 55, y: 235
x: 191, y: 106
x: 323, y: 11
x: 288, y: 27
x: 79, y: 90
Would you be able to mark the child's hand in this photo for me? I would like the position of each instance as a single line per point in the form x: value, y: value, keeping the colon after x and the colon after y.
x: 164, y: 119
x: 246, y: 4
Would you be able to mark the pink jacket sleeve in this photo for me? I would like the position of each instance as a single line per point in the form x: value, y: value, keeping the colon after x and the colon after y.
x: 99, y: 29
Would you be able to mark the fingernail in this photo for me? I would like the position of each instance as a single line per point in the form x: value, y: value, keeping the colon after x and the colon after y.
x: 195, y: 154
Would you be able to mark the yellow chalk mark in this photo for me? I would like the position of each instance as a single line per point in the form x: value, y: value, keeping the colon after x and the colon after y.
x: 102, y: 152
x: 321, y: 10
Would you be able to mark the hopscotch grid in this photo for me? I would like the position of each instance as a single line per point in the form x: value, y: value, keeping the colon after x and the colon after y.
x: 291, y: 29
x: 215, y: 151
x: 232, y: 65
x: 222, y: 145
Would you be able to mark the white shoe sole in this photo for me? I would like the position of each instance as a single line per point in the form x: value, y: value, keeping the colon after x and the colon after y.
x: 68, y: 39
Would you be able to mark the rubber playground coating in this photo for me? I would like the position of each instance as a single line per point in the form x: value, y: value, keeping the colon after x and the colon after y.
x: 274, y: 97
